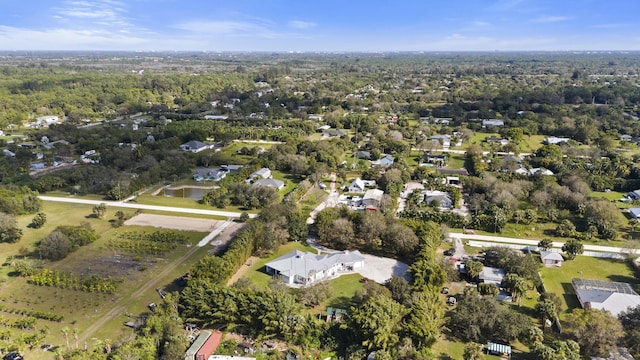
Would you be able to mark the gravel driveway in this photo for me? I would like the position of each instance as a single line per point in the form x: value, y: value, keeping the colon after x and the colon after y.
x: 380, y: 269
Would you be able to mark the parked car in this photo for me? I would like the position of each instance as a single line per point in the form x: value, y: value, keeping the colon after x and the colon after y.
x: 450, y: 252
x: 445, y: 290
x: 13, y: 356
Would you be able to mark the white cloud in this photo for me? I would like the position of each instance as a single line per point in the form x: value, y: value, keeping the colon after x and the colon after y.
x: 550, y: 19
x: 96, y: 12
x: 232, y: 28
x: 302, y: 25
x: 66, y: 39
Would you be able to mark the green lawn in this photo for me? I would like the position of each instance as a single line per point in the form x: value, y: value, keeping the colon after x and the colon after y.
x: 312, y: 200
x: 611, y: 195
x: 456, y: 161
x: 531, y: 143
x: 479, y: 138
x: 450, y: 350
x: 186, y: 203
x: 558, y: 280
x: 343, y: 290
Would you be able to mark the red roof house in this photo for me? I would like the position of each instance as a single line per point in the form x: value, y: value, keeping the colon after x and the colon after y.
x: 210, y: 346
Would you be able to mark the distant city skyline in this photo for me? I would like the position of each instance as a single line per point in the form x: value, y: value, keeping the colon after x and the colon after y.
x: 328, y: 25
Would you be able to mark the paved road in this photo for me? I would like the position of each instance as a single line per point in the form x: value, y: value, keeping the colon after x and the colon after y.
x: 214, y: 233
x: 462, y: 152
x: 405, y: 193
x: 529, y: 242
x: 145, y: 207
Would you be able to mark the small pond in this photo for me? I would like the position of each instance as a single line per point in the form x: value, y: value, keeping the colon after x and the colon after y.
x: 189, y: 192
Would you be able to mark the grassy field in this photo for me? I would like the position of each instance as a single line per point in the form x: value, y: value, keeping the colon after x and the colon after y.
x: 558, y: 280
x: 312, y: 200
x: 142, y: 274
x: 186, y: 203
x: 611, y: 195
x: 531, y: 143
x: 449, y: 350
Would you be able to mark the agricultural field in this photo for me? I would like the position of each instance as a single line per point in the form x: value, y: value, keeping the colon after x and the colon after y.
x: 75, y: 294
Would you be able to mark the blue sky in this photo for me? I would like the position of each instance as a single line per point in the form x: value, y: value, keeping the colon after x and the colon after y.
x: 320, y: 25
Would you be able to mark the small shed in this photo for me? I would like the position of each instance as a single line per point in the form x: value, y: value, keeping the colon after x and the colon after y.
x: 499, y: 349
x: 550, y: 258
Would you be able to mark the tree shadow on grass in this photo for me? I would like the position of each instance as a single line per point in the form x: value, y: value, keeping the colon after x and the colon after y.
x: 570, y: 297
x: 341, y: 302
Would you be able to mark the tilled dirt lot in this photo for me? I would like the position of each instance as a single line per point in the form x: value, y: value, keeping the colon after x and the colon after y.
x: 174, y: 222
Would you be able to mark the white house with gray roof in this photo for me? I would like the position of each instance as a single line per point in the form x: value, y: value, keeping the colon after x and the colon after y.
x: 305, y: 268
x: 611, y: 296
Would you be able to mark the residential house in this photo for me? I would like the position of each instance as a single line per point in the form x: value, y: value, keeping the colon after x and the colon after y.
x: 634, y: 195
x: 611, y: 296
x: 443, y: 121
x: 204, y: 174
x: 44, y: 121
x: 553, y: 140
x: 195, y: 146
x: 315, y: 117
x: 363, y: 155
x: 369, y: 183
x: 210, y: 345
x: 231, y: 168
x: 372, y: 198
x: 491, y: 275
x: 305, y: 268
x: 511, y: 159
x: 357, y: 186
x: 492, y: 122
x: 272, y: 183
x: 385, y: 161
x: 216, y: 117
x: 452, y: 180
x: 441, y: 140
x: 635, y: 213
x: 541, y: 171
x: 443, y: 198
x: 197, y: 344
x: 333, y: 133
x: 497, y: 140
x: 436, y: 159
x: 551, y: 258
x: 263, y: 173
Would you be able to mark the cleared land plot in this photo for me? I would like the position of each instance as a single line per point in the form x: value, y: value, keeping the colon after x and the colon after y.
x: 174, y: 222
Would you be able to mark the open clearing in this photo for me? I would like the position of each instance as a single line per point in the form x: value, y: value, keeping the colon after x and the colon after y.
x: 174, y: 222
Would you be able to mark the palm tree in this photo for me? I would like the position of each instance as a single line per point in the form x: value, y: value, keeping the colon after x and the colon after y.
x: 75, y: 335
x: 65, y: 333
